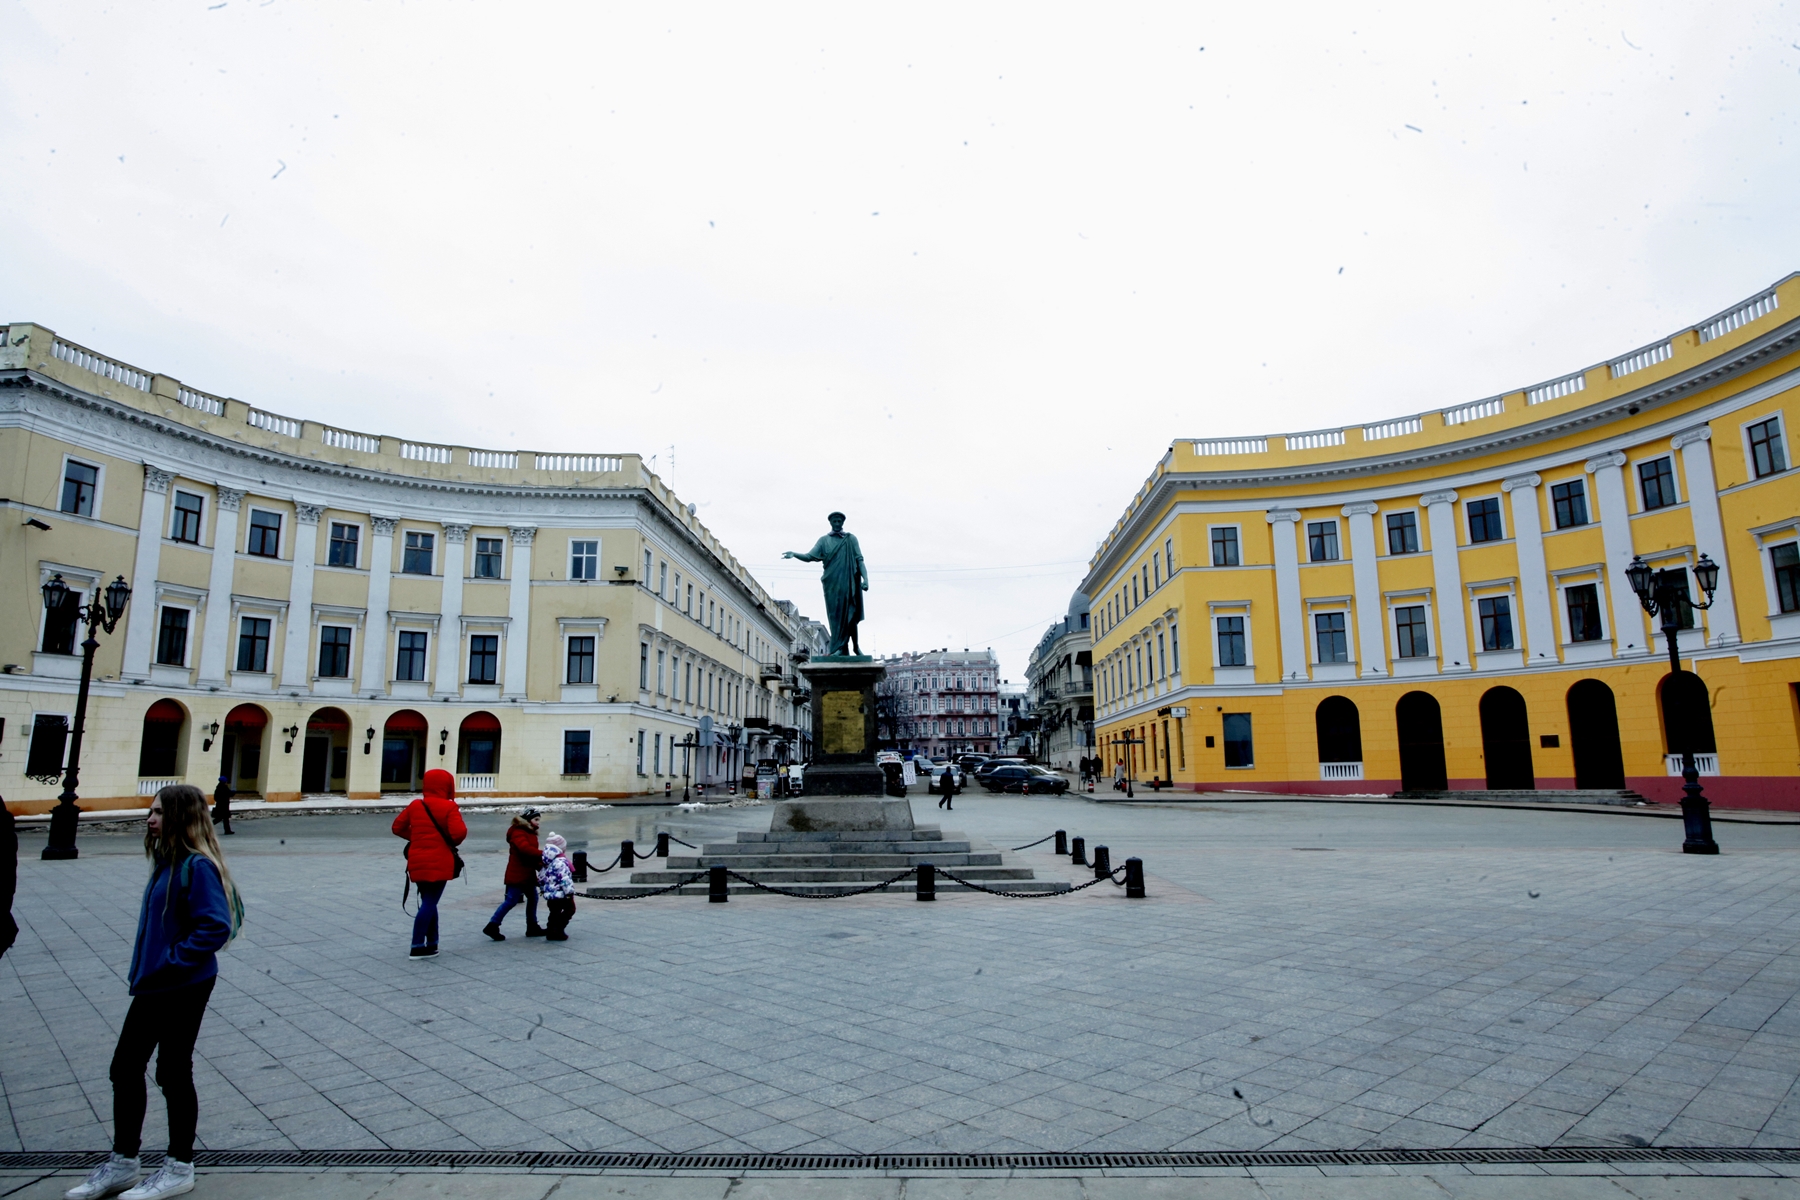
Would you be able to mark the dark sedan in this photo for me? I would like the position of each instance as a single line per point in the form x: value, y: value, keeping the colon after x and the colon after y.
x: 1025, y: 779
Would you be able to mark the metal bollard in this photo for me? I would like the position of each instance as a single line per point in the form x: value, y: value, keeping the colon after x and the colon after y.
x: 627, y: 854
x: 1062, y: 842
x: 1102, y: 862
x: 578, y: 863
x: 1078, y: 851
x: 715, y: 886
x: 662, y: 845
x: 1134, y: 879
x: 927, y: 882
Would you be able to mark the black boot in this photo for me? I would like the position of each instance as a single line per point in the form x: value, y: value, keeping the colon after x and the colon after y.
x: 493, y: 931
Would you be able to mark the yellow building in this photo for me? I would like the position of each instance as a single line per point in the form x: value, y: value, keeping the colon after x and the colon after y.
x: 1441, y: 600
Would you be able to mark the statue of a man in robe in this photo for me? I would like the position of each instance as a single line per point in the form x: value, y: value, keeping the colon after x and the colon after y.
x: 845, y: 579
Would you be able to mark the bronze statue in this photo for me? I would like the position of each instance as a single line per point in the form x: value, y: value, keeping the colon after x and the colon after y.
x: 845, y: 579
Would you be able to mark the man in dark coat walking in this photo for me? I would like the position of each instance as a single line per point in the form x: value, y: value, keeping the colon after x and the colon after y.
x: 222, y: 805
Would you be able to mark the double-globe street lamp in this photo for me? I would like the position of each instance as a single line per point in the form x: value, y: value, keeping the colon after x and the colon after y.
x: 1665, y: 592
x: 66, y: 817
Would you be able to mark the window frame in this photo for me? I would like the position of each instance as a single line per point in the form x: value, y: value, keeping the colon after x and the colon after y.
x: 348, y: 648
x: 249, y: 640
x: 1567, y: 618
x: 1779, y: 441
x: 583, y: 566
x: 177, y: 512
x: 1227, y: 742
x: 424, y: 653
x: 570, y: 655
x: 1482, y: 622
x: 585, y: 736
x: 1242, y: 634
x: 1387, y: 527
x: 187, y: 633
x: 252, y: 529
x: 1643, y: 496
x: 1322, y: 535
x: 99, y: 470
x: 493, y: 656
x: 1578, y: 497
x: 1342, y: 613
x: 1236, y: 542
x: 407, y: 551
x: 1497, y: 514
x: 332, y: 541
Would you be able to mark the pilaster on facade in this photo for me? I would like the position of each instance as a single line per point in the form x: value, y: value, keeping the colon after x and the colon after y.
x: 1630, y: 632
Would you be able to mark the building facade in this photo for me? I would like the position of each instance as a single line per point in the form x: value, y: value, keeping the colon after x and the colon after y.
x: 1441, y: 600
x: 316, y: 610
x: 1060, y: 683
x: 941, y: 702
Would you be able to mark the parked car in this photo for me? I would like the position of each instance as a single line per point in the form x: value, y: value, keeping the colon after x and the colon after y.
x: 970, y: 762
x: 987, y: 768
x: 1025, y: 779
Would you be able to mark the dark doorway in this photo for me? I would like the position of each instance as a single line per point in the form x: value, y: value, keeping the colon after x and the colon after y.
x: 1687, y: 714
x: 314, y: 763
x: 403, y: 751
x: 159, y: 752
x: 327, y: 751
x: 1340, y: 730
x: 1421, y: 726
x: 1506, y: 741
x: 241, y: 761
x: 1594, y: 736
x: 478, y: 744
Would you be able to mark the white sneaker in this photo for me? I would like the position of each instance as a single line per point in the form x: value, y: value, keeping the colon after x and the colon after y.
x: 114, y: 1175
x: 171, y: 1179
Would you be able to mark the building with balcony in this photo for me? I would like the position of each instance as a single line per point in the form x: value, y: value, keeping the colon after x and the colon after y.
x: 941, y: 702
x: 1060, y: 685
x: 1440, y: 601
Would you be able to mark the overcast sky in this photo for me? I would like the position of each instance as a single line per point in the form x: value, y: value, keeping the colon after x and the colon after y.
x: 963, y: 271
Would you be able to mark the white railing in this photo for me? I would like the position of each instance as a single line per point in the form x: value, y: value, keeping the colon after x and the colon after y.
x: 274, y: 423
x: 504, y: 459
x: 1707, y: 764
x: 75, y: 355
x: 149, y: 787
x: 343, y: 439
x: 1647, y: 357
x: 1399, y: 427
x: 1745, y: 313
x: 424, y: 452
x: 201, y: 401
x: 578, y: 462
x: 1477, y: 411
x: 1255, y: 445
x: 475, y: 783
x: 1340, y: 770
x: 1568, y: 385
x: 1315, y: 440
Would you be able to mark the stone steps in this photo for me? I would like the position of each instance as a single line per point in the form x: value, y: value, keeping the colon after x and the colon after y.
x: 922, y: 833
x: 906, y: 887
x: 887, y: 862
x: 837, y: 874
x: 735, y: 850
x: 1534, y: 796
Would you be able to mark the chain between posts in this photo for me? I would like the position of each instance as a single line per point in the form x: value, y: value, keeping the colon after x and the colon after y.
x: 763, y: 887
x: 694, y: 878
x: 1029, y: 845
x: 1027, y: 895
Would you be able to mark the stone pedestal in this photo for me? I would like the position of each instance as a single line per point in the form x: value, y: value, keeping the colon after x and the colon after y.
x: 852, y: 814
x: 843, y: 708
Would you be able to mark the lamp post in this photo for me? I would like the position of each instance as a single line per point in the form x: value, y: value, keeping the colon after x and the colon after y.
x: 1661, y: 592
x: 65, y: 818
x: 687, y: 745
x: 1128, y: 741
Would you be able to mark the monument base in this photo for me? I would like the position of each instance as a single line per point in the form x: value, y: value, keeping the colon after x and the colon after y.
x: 845, y: 779
x: 866, y: 814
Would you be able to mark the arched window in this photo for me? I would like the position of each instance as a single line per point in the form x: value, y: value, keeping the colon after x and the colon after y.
x: 1687, y: 714
x: 241, y: 752
x: 1339, y: 729
x: 478, y: 744
x: 159, y: 753
x: 1594, y: 736
x: 1506, y: 741
x: 1420, y: 725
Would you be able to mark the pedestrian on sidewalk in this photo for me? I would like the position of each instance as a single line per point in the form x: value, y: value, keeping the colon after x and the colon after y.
x: 523, y: 858
x: 433, y: 828
x: 557, y: 882
x: 221, y: 816
x: 948, y: 787
x: 191, y: 909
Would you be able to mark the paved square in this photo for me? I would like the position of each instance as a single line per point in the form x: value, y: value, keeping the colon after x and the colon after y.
x: 1358, y: 975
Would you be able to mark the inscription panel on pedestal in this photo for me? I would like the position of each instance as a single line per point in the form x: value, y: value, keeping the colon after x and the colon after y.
x: 843, y: 722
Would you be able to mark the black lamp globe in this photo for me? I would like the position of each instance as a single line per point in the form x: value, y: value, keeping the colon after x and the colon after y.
x: 55, y: 593
x: 118, y: 594
x: 1706, y: 571
x: 1639, y: 574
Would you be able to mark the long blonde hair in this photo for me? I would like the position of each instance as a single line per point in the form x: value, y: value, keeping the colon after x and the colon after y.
x: 187, y: 829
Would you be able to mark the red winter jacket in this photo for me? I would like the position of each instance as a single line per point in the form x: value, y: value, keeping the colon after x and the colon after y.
x: 428, y: 858
x: 523, y: 858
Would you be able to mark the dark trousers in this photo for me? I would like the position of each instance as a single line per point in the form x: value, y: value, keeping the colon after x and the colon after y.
x: 425, y: 923
x: 949, y: 795
x: 514, y: 894
x: 168, y: 1023
x: 221, y: 816
x: 561, y: 911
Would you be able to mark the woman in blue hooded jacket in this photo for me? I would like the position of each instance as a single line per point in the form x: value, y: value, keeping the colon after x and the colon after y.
x: 190, y: 910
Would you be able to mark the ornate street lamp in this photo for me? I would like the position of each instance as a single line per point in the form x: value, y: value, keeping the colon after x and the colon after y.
x: 65, y: 818
x: 1663, y: 592
x: 1128, y: 741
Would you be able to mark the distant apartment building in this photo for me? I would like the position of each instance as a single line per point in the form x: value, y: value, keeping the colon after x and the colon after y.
x: 941, y: 702
x: 1060, y: 685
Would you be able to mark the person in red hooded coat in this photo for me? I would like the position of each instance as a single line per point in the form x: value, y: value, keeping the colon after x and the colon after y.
x: 433, y: 827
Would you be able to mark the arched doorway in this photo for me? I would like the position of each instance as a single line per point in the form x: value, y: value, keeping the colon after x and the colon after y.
x: 326, y: 762
x: 1421, y: 728
x: 1339, y: 729
x: 1686, y: 713
x: 478, y: 745
x: 241, y: 748
x: 1506, y: 741
x: 1594, y: 736
x: 403, y: 751
x: 160, y: 751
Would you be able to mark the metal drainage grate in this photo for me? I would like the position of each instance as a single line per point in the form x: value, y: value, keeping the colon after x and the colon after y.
x: 546, y: 1160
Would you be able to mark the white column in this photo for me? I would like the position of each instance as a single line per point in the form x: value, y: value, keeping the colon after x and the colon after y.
x: 1446, y: 574
x: 449, y: 656
x: 1709, y: 529
x: 1366, y: 577
x: 300, y: 593
x: 518, y: 609
x: 373, y: 680
x: 1627, y: 621
x: 1534, y: 576
x: 140, y: 622
x: 1290, y: 614
x: 216, y: 644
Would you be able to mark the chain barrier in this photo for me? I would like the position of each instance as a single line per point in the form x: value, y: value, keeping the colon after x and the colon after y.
x: 1026, y: 895
x: 1029, y: 845
x: 679, y: 842
x: 763, y: 887
x: 694, y: 878
x: 593, y: 870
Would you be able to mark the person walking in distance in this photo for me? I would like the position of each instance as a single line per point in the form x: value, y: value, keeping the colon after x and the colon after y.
x: 523, y: 858
x: 191, y: 909
x: 433, y: 828
x: 222, y: 805
x: 557, y: 882
x: 948, y: 786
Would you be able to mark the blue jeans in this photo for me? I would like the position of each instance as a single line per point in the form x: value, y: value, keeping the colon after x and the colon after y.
x: 425, y: 923
x: 514, y: 894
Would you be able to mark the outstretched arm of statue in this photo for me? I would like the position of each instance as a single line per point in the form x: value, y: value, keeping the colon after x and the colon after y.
x: 799, y: 554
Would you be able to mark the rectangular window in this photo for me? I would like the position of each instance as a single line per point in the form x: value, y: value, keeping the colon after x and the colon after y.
x: 662, y: 578
x: 1156, y: 568
x: 79, y: 483
x: 1785, y: 559
x: 1403, y: 533
x: 1766, y: 453
x: 1174, y: 649
x: 417, y: 558
x: 676, y: 598
x: 656, y: 755
x: 409, y: 660
x: 1496, y: 623
x: 1484, y: 521
x: 49, y: 739
x: 1333, y: 640
x: 184, y: 525
x: 1162, y: 658
x: 1321, y: 541
x: 584, y: 560
x: 643, y: 667
x: 490, y: 558
x: 345, y: 540
x: 1568, y: 502
x: 575, y: 751
x: 581, y: 659
x: 253, y: 644
x: 1169, y: 556
x: 1231, y: 641
x: 1134, y: 592
x: 1584, y: 612
x: 1410, y: 637
x: 689, y: 610
x: 484, y: 657
x: 1684, y: 601
x: 640, y: 752
x: 60, y: 625
x: 1240, y: 750
x: 171, y: 638
x: 265, y: 534
x: 1657, y: 479
x: 662, y: 659
x: 334, y: 652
